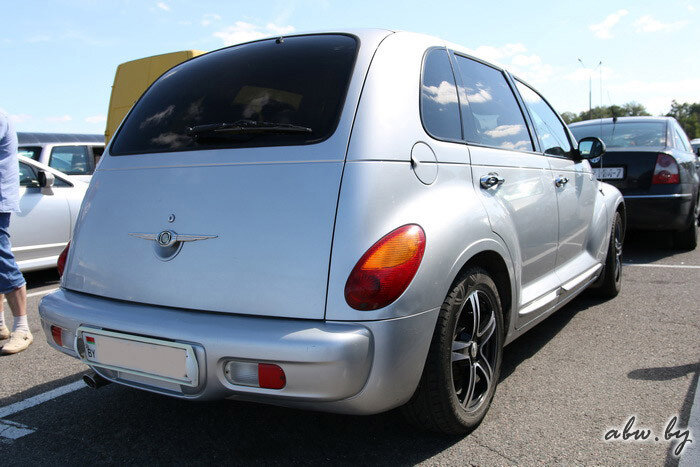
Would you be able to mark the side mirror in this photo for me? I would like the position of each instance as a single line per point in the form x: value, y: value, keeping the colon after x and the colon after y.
x: 591, y: 147
x: 46, y: 181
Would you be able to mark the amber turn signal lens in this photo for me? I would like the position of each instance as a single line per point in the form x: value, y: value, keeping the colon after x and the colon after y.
x: 386, y: 269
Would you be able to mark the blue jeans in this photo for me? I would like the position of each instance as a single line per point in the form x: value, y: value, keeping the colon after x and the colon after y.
x: 10, y: 276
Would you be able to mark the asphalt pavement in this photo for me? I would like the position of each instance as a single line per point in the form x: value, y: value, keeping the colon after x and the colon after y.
x: 576, y: 377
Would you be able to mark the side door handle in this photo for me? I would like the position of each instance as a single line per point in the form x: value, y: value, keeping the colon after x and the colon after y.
x: 490, y: 180
x: 561, y: 181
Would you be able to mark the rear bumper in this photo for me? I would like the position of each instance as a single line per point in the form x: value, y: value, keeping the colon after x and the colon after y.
x: 658, y: 212
x: 359, y: 368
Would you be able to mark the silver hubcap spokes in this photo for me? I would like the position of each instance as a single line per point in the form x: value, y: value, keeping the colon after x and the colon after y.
x: 618, y: 253
x: 474, y: 351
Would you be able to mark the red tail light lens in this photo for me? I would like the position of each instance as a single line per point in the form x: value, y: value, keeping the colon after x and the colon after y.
x: 61, y: 263
x: 666, y: 170
x: 57, y: 334
x: 386, y: 269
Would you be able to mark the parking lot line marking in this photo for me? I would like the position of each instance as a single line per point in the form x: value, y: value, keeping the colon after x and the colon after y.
x: 40, y: 398
x: 676, y: 266
x: 11, y: 430
x: 41, y: 292
x: 691, y: 456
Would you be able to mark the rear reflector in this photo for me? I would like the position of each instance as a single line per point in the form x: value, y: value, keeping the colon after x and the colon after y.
x: 261, y: 375
x: 666, y: 171
x: 57, y: 335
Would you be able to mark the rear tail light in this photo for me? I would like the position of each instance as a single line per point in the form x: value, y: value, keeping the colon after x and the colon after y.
x: 261, y: 375
x: 666, y: 170
x: 386, y: 269
x: 57, y: 334
x: 61, y: 263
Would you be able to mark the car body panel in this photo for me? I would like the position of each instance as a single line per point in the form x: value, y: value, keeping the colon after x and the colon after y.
x: 43, y: 227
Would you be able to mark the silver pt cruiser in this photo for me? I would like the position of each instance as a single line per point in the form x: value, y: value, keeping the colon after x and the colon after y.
x: 348, y: 222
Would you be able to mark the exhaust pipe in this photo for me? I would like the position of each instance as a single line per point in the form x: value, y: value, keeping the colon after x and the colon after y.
x: 95, y: 381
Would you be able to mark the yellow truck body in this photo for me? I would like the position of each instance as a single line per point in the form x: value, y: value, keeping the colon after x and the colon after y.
x: 133, y: 78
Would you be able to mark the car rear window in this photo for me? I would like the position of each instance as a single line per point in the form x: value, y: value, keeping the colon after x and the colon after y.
x: 625, y: 134
x: 267, y: 93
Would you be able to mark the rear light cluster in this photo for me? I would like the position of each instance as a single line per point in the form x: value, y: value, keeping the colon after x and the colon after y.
x: 61, y: 263
x: 666, y: 170
x: 57, y: 335
x: 260, y: 375
x: 386, y: 269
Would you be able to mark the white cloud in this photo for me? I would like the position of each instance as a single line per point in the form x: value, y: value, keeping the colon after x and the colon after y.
x: 209, y: 18
x: 496, y: 54
x: 19, y: 118
x: 648, y: 23
x: 61, y: 119
x: 96, y: 119
x: 163, y: 6
x: 602, y: 30
x: 244, y: 32
x: 443, y: 94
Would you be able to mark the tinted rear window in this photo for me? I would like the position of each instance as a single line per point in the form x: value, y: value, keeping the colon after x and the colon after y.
x: 300, y: 81
x: 625, y: 135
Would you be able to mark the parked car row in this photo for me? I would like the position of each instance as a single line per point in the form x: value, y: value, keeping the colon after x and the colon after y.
x: 347, y: 222
x: 651, y: 161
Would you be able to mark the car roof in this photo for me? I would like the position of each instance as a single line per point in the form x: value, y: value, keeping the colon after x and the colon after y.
x: 25, y: 138
x: 598, y: 121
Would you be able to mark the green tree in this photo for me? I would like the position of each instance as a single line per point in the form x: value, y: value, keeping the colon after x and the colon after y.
x: 688, y: 115
x: 630, y: 109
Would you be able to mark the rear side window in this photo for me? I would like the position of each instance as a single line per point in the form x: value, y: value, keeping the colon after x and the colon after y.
x: 71, y: 160
x: 439, y: 103
x: 625, y: 134
x: 266, y: 93
x: 550, y: 131
x: 492, y: 116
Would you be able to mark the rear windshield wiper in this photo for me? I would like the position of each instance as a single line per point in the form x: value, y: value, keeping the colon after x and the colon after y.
x: 244, y: 127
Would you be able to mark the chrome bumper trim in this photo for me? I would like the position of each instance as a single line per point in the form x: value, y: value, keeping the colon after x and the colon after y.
x: 676, y: 195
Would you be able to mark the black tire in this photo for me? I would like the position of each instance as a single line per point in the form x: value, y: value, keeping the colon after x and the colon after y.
x: 687, y: 239
x: 609, y: 283
x: 460, y: 360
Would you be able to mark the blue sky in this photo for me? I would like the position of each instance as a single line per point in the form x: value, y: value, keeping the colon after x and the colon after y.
x: 59, y: 57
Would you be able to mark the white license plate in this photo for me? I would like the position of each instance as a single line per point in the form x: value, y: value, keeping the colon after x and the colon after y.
x: 163, y: 360
x: 609, y: 173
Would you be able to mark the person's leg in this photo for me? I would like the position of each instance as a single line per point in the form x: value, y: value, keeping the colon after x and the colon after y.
x: 12, y: 284
x: 4, y: 332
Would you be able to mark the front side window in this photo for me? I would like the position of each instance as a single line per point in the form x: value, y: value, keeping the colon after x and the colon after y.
x: 550, y: 131
x: 265, y: 93
x: 492, y: 116
x: 27, y: 177
x: 31, y: 152
x: 625, y: 134
x: 71, y: 160
x: 438, y: 97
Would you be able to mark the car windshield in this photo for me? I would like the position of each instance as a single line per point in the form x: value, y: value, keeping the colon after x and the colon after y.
x: 31, y: 152
x: 285, y: 91
x: 625, y: 134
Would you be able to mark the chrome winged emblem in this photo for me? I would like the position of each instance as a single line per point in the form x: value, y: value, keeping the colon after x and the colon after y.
x: 168, y: 238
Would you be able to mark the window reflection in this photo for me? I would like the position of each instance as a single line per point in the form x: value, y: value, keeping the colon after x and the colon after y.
x: 550, y: 131
x: 491, y: 115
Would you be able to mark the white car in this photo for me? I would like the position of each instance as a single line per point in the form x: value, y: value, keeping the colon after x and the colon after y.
x: 49, y: 204
x: 75, y: 155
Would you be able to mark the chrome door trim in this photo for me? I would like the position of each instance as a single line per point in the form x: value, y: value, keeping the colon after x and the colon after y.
x: 576, y: 281
x: 540, y: 302
x: 39, y: 247
x: 675, y: 195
